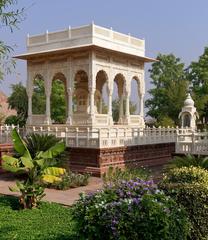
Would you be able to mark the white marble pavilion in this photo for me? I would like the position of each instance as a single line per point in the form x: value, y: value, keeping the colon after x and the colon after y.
x: 87, y: 59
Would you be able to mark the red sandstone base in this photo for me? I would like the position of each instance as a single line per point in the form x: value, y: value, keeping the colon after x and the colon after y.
x: 97, y: 161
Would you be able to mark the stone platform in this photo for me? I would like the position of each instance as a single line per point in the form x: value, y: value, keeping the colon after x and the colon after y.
x: 97, y: 161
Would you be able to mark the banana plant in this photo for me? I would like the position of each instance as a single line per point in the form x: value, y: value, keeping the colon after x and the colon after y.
x: 38, y: 170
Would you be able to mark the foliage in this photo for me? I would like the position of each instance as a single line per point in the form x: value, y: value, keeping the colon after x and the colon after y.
x: 18, y: 101
x: 11, y: 19
x: 187, y: 175
x: 169, y: 88
x: 115, y: 174
x: 133, y: 209
x: 197, y: 74
x: 70, y: 180
x: 165, y: 122
x: 37, y: 169
x: 36, y: 143
x: 38, y: 98
x: 50, y: 221
x: 189, y: 188
x: 188, y: 161
x: 11, y: 120
x: 58, y: 102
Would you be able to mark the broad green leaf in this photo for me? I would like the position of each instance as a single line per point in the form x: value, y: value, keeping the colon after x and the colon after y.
x: 53, y: 151
x: 10, y: 160
x: 19, y: 144
x: 13, y: 169
x: 55, y: 171
x: 50, y: 178
x: 40, y: 162
x: 14, y: 189
x: 27, y: 162
x: 20, y: 185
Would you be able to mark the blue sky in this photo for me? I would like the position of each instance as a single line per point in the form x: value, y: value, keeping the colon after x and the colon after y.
x: 179, y: 27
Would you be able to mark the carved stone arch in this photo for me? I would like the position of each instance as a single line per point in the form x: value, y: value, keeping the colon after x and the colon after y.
x: 81, y: 84
x: 102, y: 74
x: 78, y: 68
x: 121, y: 80
x: 140, y: 83
x: 101, y: 90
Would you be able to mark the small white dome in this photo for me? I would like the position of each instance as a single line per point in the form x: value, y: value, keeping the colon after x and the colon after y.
x: 189, y: 101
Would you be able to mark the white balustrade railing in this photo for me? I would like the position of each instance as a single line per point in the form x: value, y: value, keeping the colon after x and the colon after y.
x: 187, y: 141
x: 108, y: 137
x: 5, y: 133
x: 192, y: 143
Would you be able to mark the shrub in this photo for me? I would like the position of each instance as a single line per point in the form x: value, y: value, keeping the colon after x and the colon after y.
x: 187, y: 175
x: 42, y: 142
x: 132, y: 209
x: 189, y: 188
x: 188, y: 161
x: 15, y: 120
x: 117, y: 174
x: 71, y: 180
x: 37, y: 170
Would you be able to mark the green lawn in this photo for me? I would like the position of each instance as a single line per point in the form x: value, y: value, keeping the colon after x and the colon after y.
x: 50, y: 221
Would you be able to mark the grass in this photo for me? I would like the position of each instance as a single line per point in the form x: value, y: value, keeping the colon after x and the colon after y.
x: 49, y: 222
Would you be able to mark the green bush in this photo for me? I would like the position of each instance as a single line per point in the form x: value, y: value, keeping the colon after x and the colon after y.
x: 188, y: 161
x: 187, y: 175
x: 15, y: 120
x: 130, y: 210
x: 189, y: 188
x: 50, y: 221
x: 116, y: 174
x: 36, y: 143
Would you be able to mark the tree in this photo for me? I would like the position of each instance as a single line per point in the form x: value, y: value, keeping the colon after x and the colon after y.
x: 197, y: 74
x: 18, y: 100
x: 58, y: 102
x: 169, y: 88
x: 38, y: 98
x: 8, y: 19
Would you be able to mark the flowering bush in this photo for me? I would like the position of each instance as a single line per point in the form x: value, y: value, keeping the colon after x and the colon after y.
x: 133, y: 209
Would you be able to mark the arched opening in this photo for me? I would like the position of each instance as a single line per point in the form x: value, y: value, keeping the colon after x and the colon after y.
x: 38, y: 97
x: 135, y: 98
x: 101, y: 93
x: 118, y: 99
x: 187, y: 120
x: 81, y: 93
x: 58, y: 99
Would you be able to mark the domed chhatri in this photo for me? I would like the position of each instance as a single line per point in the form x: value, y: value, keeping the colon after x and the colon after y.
x: 188, y: 113
x: 189, y: 101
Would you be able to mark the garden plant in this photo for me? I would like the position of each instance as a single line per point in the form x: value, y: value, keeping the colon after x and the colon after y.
x: 188, y: 186
x: 37, y: 169
x: 133, y: 209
